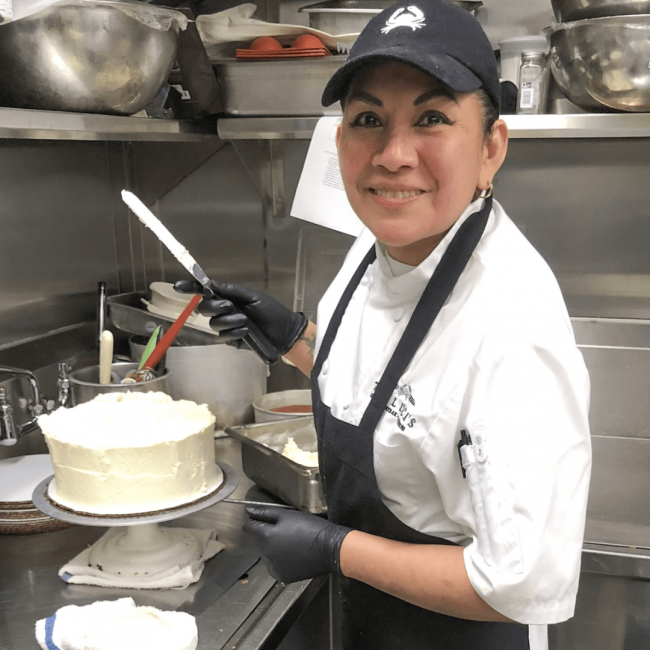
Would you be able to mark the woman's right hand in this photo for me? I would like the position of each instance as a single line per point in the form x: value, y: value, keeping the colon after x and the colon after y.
x: 235, y: 310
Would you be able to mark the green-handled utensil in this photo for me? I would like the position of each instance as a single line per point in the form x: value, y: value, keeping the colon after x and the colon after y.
x: 149, y: 348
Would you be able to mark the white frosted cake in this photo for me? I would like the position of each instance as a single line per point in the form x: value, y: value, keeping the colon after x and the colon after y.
x: 126, y: 453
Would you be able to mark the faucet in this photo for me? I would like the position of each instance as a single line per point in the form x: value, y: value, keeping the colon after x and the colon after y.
x: 8, y: 435
x: 63, y: 382
x: 9, y: 431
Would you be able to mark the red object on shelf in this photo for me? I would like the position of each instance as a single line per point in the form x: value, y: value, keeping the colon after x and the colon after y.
x: 306, y: 42
x: 285, y: 53
x: 266, y: 44
x: 267, y: 47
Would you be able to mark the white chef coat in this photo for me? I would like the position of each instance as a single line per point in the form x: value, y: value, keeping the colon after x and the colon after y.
x: 500, y: 362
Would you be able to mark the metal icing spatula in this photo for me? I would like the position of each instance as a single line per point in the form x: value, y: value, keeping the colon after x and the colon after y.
x: 255, y: 340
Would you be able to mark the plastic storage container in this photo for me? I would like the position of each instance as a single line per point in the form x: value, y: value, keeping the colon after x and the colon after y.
x: 511, y: 50
x: 533, y: 83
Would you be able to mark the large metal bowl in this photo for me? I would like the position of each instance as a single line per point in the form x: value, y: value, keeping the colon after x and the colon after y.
x: 570, y: 10
x: 601, y: 64
x: 96, y: 57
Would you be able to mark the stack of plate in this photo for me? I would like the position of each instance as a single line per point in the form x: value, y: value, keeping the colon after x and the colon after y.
x: 18, y: 478
x: 167, y: 302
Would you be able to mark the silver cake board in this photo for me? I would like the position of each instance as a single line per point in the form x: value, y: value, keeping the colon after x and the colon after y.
x: 49, y: 507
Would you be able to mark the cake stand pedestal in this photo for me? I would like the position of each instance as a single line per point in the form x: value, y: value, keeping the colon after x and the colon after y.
x: 135, y: 543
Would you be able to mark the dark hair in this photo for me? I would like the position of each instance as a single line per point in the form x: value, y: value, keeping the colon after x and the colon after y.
x: 490, y: 113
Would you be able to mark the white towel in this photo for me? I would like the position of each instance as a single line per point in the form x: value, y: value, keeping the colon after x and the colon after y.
x: 78, y: 571
x: 116, y: 625
x: 237, y: 25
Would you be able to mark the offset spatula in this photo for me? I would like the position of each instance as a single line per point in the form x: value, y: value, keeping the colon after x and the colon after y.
x: 255, y: 340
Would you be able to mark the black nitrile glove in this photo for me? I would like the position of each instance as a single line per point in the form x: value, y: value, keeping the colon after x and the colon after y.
x: 233, y: 306
x: 295, y: 545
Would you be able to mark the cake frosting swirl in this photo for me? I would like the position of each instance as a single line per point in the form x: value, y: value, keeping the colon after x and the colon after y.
x: 126, y: 453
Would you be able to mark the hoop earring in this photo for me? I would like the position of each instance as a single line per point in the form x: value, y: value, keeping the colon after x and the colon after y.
x: 486, y: 194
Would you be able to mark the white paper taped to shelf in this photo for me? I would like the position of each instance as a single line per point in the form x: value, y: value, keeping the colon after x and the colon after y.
x: 320, y: 197
x: 5, y: 11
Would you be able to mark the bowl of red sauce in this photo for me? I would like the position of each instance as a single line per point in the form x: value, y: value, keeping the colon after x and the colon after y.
x: 282, y: 405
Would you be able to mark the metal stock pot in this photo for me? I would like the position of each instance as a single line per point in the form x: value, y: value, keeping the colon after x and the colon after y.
x: 228, y: 380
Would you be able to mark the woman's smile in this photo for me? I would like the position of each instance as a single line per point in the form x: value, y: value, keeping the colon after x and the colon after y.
x: 395, y: 194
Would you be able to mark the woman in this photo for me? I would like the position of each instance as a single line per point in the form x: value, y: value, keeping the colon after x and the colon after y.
x: 450, y: 399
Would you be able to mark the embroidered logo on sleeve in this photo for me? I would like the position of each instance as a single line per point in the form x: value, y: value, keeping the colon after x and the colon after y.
x: 410, y: 17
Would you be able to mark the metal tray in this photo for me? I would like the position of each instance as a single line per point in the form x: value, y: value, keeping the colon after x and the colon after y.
x: 371, y: 6
x: 351, y: 16
x: 127, y: 312
x: 287, y: 87
x: 263, y: 462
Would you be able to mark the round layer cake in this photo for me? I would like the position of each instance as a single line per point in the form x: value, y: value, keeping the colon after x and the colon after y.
x: 127, y: 453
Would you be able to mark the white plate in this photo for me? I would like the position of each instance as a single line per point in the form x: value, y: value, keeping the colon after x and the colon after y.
x: 20, y: 475
x: 197, y: 320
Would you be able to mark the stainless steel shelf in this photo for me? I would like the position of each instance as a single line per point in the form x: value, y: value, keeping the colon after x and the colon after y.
x: 266, y: 128
x: 23, y: 124
x: 583, y: 125
x: 18, y: 123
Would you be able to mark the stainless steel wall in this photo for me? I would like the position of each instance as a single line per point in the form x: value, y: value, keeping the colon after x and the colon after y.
x: 584, y: 205
x: 64, y: 227
x: 57, y: 235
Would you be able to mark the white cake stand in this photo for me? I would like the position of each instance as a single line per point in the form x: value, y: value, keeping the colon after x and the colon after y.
x: 136, y: 544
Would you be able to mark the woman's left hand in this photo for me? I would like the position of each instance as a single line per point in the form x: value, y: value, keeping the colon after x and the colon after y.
x: 295, y: 545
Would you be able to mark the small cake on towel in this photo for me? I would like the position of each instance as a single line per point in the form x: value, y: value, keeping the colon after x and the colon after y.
x: 129, y: 453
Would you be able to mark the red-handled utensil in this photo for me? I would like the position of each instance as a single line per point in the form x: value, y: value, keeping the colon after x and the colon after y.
x: 165, y: 342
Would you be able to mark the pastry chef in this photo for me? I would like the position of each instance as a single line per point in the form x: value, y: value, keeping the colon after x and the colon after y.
x: 449, y: 396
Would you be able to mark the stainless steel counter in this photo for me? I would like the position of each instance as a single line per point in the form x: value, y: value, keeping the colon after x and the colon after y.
x: 255, y: 613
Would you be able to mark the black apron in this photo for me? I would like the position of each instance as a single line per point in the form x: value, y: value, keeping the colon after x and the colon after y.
x: 371, y: 619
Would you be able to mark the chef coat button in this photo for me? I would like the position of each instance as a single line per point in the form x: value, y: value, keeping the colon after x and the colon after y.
x: 397, y: 314
x: 346, y: 407
x: 326, y: 367
x: 480, y: 452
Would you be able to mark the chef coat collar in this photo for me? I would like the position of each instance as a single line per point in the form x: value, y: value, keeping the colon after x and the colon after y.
x: 416, y: 279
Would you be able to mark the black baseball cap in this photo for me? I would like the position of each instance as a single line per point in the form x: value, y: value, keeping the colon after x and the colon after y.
x: 435, y: 36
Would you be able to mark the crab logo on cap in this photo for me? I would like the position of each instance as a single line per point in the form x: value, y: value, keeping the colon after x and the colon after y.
x: 413, y: 18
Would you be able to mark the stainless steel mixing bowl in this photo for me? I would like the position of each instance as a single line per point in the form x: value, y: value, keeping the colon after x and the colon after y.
x: 96, y: 57
x: 602, y: 64
x: 569, y: 10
